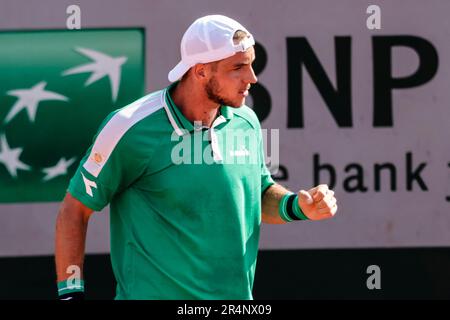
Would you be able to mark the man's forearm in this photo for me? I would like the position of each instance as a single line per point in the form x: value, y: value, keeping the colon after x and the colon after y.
x: 70, y: 241
x: 271, y: 202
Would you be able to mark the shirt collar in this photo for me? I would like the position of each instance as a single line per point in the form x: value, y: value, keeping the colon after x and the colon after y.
x: 180, y: 124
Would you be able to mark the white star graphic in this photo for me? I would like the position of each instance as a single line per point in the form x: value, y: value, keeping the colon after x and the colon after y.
x: 30, y: 98
x: 10, y: 158
x: 103, y: 65
x: 59, y: 169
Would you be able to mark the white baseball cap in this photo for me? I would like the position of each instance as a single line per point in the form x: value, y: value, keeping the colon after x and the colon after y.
x: 209, y: 39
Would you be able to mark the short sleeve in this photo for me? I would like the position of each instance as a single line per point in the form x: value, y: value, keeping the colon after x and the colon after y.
x: 110, y: 165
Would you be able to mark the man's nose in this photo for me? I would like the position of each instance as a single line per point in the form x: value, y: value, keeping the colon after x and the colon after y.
x: 252, y: 76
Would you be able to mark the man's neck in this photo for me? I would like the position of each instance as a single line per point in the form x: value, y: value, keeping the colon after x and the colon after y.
x: 194, y: 104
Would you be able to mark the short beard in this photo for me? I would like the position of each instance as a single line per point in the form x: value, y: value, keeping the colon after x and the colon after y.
x: 212, y: 91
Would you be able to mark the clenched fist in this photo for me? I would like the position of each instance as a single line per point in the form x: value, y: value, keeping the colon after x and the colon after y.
x: 318, y: 203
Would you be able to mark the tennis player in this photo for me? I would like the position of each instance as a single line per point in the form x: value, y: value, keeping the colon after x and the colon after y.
x: 185, y: 222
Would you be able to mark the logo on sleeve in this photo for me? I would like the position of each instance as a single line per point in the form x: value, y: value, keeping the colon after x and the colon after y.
x: 94, y: 163
x: 89, y: 185
x: 98, y: 157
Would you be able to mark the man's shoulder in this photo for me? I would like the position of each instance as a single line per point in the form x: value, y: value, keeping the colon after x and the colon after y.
x: 249, y: 115
x: 144, y: 117
x: 148, y: 108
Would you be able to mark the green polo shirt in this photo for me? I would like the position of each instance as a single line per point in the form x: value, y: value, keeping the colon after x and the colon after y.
x: 185, y: 201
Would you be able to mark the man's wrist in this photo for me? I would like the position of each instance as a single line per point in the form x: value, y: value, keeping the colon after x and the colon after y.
x: 289, y: 208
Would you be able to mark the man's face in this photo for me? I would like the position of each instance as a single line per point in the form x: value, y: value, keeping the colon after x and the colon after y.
x: 231, y: 78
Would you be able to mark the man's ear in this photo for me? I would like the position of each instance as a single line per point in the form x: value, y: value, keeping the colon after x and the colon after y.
x: 199, y: 71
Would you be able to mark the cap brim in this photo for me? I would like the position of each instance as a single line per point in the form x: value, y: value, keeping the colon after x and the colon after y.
x: 176, y: 73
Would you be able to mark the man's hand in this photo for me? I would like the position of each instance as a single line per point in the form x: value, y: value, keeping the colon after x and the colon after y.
x: 318, y: 203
